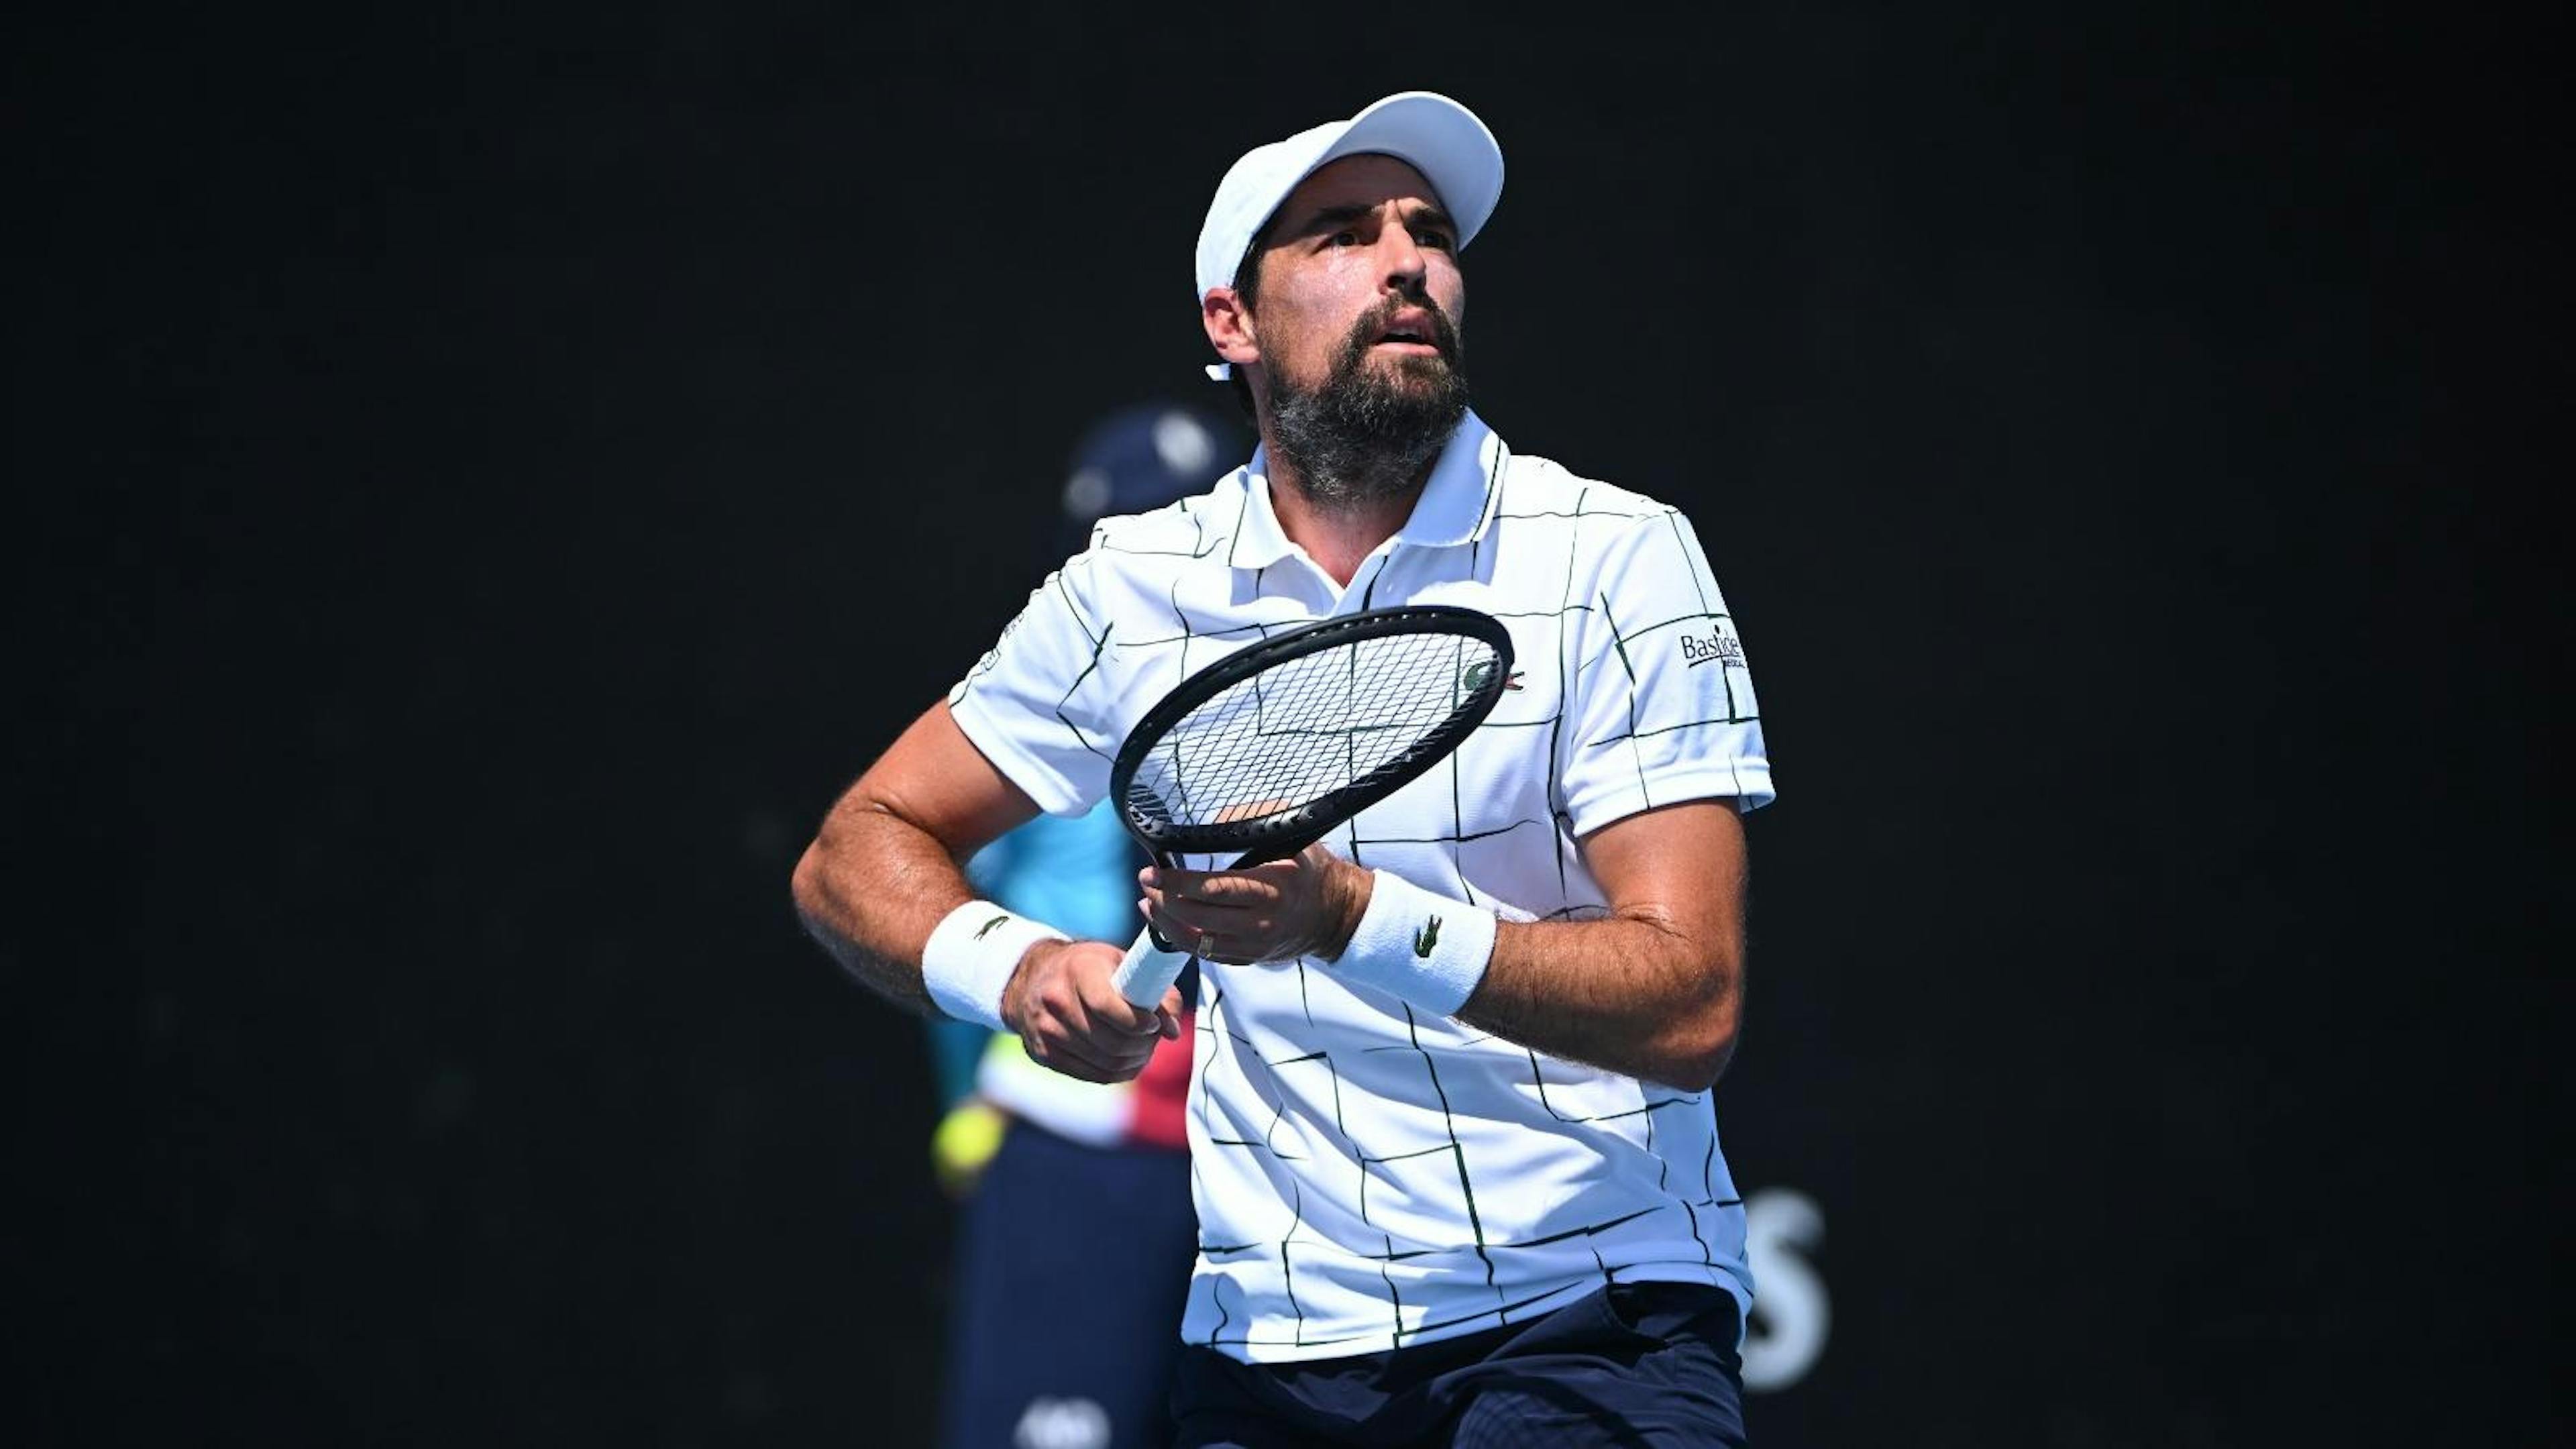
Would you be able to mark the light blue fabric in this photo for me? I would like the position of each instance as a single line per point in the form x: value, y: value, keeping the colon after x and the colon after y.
x: 1077, y: 875
x: 956, y: 1048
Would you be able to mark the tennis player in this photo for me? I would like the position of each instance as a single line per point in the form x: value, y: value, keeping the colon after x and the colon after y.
x: 1453, y: 1142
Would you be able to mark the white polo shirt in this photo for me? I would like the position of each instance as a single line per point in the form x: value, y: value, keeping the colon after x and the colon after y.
x: 1368, y: 1176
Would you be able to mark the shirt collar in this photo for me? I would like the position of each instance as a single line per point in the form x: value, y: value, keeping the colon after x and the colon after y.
x: 1455, y: 507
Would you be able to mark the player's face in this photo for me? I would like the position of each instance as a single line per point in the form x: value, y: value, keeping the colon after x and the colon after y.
x: 1361, y: 259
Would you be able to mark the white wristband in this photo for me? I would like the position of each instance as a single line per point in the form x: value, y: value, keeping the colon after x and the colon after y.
x: 971, y: 956
x: 1423, y: 948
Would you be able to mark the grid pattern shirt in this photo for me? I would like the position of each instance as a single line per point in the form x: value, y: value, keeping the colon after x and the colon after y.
x: 1367, y: 1175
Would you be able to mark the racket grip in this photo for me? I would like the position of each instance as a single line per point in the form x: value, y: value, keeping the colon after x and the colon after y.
x: 1148, y: 972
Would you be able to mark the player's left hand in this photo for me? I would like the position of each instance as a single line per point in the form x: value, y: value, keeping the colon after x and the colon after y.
x: 1306, y: 905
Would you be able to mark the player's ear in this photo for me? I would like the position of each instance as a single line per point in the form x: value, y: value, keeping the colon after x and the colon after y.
x: 1229, y: 326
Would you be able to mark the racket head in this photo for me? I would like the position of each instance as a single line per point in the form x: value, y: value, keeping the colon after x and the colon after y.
x: 1262, y: 752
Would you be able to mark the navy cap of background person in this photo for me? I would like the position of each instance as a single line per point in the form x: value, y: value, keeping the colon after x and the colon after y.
x: 1137, y: 458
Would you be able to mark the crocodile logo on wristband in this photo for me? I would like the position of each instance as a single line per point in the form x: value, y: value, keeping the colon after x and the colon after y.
x: 986, y: 929
x: 1426, y: 938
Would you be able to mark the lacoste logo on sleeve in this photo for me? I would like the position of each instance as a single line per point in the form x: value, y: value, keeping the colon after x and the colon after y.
x: 1426, y: 938
x: 1478, y: 673
x: 986, y: 929
x: 1719, y: 649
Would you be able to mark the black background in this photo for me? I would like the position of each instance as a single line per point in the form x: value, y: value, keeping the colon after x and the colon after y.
x: 485, y: 478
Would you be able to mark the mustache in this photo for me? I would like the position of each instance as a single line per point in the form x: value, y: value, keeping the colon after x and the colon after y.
x: 1444, y: 333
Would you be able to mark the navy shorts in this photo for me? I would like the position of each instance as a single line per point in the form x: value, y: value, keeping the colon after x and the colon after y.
x: 1634, y: 1364
x: 1073, y: 1265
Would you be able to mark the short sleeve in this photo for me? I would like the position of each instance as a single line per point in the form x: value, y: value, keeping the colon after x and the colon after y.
x: 1023, y: 702
x: 1663, y: 708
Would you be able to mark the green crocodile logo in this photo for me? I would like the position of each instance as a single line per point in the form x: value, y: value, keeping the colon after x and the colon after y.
x: 1426, y: 938
x: 987, y: 928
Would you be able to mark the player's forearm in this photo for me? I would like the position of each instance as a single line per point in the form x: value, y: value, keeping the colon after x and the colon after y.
x: 1638, y: 994
x: 1651, y: 989
x: 871, y: 889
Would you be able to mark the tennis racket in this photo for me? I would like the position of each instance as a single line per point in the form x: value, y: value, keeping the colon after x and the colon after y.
x: 1263, y: 752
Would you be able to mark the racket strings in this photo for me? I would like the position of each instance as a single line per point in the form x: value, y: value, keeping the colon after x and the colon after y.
x: 1303, y: 730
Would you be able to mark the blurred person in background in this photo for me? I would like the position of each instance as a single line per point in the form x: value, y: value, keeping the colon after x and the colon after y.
x: 1051, y: 1348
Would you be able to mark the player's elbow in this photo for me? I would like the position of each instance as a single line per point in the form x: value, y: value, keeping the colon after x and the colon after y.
x: 839, y: 848
x: 1700, y: 1040
x: 1694, y: 1060
x: 805, y: 883
x: 836, y: 854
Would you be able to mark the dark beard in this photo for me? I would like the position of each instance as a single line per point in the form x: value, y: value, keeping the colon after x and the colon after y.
x: 1362, y: 436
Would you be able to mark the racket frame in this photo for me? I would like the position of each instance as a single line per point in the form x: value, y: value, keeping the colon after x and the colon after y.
x: 1152, y: 965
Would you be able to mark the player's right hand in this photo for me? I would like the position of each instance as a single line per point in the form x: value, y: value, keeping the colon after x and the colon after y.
x: 1072, y: 1020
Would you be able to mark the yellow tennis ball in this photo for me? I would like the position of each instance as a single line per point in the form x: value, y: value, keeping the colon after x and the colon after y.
x: 966, y: 1139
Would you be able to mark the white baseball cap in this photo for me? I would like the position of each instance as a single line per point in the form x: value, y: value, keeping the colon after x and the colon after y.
x: 1432, y: 133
